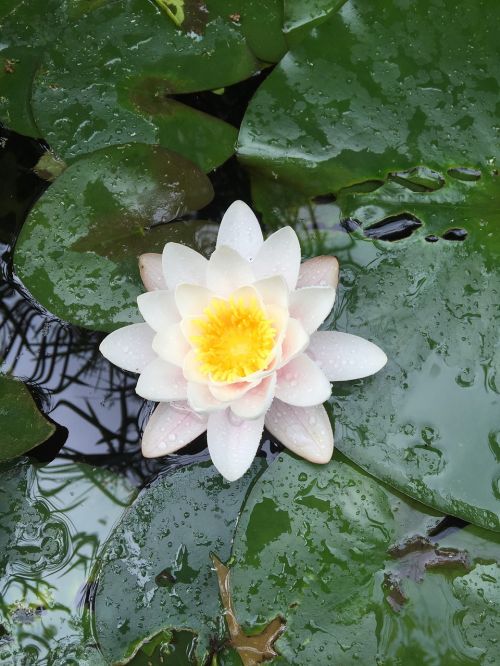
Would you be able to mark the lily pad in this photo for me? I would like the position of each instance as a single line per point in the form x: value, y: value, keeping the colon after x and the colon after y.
x: 349, y: 103
x: 351, y: 567
x: 428, y: 422
x: 156, y: 573
x: 22, y: 425
x: 77, y: 252
x: 107, y: 78
x: 25, y: 31
x: 53, y: 521
x: 301, y: 15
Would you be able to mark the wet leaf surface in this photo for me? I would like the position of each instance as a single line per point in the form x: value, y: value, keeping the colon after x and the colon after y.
x: 156, y: 572
x: 107, y: 78
x: 53, y: 522
x: 352, y: 103
x: 77, y: 252
x: 323, y: 565
x: 22, y: 425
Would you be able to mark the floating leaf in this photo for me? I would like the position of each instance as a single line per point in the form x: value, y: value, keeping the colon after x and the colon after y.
x: 53, y: 521
x: 301, y: 15
x: 156, y: 572
x: 348, y: 105
x: 107, y: 78
x: 428, y: 422
x: 22, y: 426
x: 351, y: 567
x: 77, y: 252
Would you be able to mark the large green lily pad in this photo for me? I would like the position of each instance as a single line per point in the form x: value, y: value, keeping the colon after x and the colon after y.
x: 351, y: 567
x: 25, y: 31
x: 22, y: 426
x: 156, y: 573
x: 353, y: 101
x: 107, y: 78
x: 77, y: 252
x: 301, y: 15
x: 53, y: 521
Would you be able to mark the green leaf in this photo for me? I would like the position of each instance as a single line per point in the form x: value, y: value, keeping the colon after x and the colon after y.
x: 349, y: 103
x: 262, y: 25
x: 428, y: 422
x: 77, y: 252
x: 301, y: 15
x: 53, y: 520
x: 351, y: 567
x: 22, y: 425
x: 108, y: 76
x: 156, y: 572
x: 26, y: 30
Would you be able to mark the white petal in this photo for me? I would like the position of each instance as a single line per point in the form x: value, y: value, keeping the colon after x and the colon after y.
x: 192, y: 299
x: 279, y: 255
x: 295, y: 341
x: 171, y: 345
x: 227, y: 271
x: 129, y: 347
x: 311, y: 306
x: 240, y: 230
x: 162, y: 382
x: 273, y: 291
x: 158, y: 309
x: 191, y: 369
x: 343, y: 356
x: 151, y: 271
x: 233, y: 442
x: 201, y: 399
x: 257, y: 401
x: 231, y: 392
x: 182, y: 264
x: 302, y: 383
x: 319, y: 272
x: 170, y: 427
x: 304, y: 430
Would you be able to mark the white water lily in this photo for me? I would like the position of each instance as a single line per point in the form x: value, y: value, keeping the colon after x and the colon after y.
x: 230, y: 344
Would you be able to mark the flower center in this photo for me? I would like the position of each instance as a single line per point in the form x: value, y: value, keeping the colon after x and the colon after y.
x: 235, y: 340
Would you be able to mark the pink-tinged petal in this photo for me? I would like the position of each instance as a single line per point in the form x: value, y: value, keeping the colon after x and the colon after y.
x: 182, y: 264
x: 192, y: 299
x: 279, y: 255
x: 129, y: 347
x: 171, y: 427
x: 311, y: 306
x: 240, y: 230
x: 171, y: 345
x: 257, y: 401
x: 273, y: 291
x: 227, y: 271
x: 150, y: 268
x: 191, y: 369
x: 158, y: 309
x: 304, y: 430
x: 319, y: 272
x: 162, y: 382
x: 231, y: 392
x: 201, y: 399
x: 295, y: 342
x: 233, y: 442
x: 302, y: 383
x: 343, y: 356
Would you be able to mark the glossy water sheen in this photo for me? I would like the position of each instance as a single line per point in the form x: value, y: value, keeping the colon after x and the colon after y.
x: 22, y: 426
x: 156, y: 571
x: 378, y: 88
x: 107, y: 78
x: 53, y: 521
x: 77, y: 252
x: 312, y: 545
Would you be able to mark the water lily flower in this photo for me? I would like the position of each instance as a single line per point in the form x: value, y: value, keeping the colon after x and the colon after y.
x: 231, y: 344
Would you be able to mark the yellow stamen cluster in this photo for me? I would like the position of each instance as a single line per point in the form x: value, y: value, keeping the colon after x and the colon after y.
x: 235, y: 339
